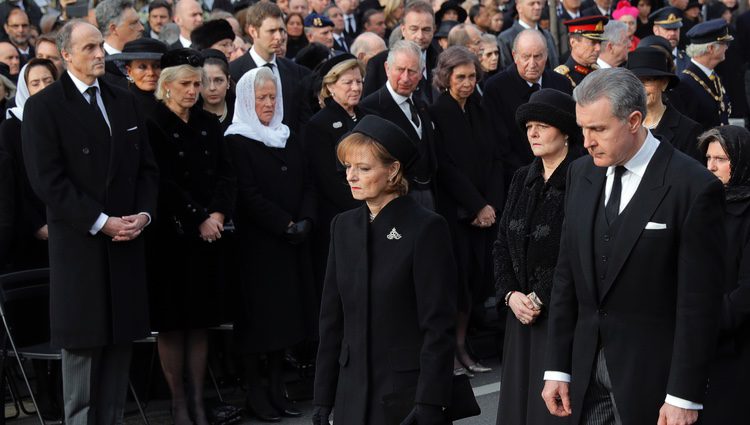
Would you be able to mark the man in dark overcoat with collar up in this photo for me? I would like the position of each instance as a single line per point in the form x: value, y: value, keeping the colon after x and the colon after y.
x: 89, y: 160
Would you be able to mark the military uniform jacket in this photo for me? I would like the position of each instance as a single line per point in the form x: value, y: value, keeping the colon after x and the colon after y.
x: 703, y: 99
x: 98, y: 290
x: 574, y: 71
x: 388, y: 311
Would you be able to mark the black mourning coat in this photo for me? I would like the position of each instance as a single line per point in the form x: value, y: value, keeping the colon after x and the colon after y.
x: 680, y: 131
x: 503, y: 94
x: 276, y: 299
x: 388, y: 311
x: 98, y: 293
x: 375, y: 76
x: 659, y: 300
x: 22, y: 210
x: 197, y: 178
x: 293, y: 88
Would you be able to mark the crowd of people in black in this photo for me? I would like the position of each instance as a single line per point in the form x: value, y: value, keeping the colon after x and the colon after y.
x: 361, y: 177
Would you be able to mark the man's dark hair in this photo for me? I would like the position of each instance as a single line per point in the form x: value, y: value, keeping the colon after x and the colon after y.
x: 157, y: 4
x: 475, y: 11
x: 259, y: 12
x: 369, y: 14
x: 419, y: 7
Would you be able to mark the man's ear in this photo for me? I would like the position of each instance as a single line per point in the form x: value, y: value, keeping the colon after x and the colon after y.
x: 635, y: 121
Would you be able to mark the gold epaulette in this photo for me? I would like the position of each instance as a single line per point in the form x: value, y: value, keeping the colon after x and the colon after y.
x: 594, y: 66
x: 562, y: 69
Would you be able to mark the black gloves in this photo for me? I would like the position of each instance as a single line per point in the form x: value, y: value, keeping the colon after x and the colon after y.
x: 298, y: 232
x: 321, y: 414
x: 426, y: 414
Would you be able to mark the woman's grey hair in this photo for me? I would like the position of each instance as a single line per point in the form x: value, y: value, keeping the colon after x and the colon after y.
x: 406, y: 47
x: 264, y: 75
x: 708, y: 136
x: 489, y: 39
x: 448, y: 60
x: 173, y: 73
x: 695, y: 50
x: 624, y: 90
x: 110, y: 11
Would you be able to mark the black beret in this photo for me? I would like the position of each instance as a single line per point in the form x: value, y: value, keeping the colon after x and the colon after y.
x: 326, y: 66
x: 210, y: 33
x: 655, y: 41
x: 391, y: 136
x: 552, y: 107
x: 181, y: 56
x: 312, y: 55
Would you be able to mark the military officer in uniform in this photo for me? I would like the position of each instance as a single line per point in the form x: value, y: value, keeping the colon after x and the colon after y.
x: 585, y: 44
x: 704, y: 98
x: 667, y: 24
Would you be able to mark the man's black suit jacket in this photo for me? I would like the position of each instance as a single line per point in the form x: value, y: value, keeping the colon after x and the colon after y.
x: 98, y: 287
x: 656, y: 313
x: 293, y: 89
x: 375, y: 76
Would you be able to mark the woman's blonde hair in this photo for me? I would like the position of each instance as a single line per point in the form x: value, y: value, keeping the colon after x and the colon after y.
x: 335, y: 73
x: 173, y: 73
x: 358, y: 141
x: 389, y: 7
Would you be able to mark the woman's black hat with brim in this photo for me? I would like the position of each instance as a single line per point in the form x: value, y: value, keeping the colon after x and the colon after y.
x: 450, y: 5
x: 551, y: 107
x: 182, y: 56
x: 651, y: 62
x: 140, y: 49
x: 391, y: 136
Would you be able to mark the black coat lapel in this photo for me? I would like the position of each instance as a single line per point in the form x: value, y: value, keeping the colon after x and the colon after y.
x: 647, y: 198
x: 391, y: 109
x: 115, y: 125
x: 587, y: 207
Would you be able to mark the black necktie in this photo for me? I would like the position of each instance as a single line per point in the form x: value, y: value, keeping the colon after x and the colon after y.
x: 342, y: 42
x: 612, y: 209
x: 91, y: 91
x: 269, y: 65
x: 350, y: 24
x: 535, y: 87
x: 414, y: 113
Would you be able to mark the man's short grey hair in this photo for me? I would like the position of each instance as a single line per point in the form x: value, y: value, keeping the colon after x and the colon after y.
x: 111, y: 11
x: 614, y: 32
x: 62, y: 39
x: 530, y: 33
x: 263, y: 76
x: 406, y: 47
x: 459, y: 35
x: 696, y: 50
x: 489, y: 39
x: 624, y: 90
x: 365, y: 42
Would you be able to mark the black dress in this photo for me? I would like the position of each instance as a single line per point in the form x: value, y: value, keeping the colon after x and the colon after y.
x: 186, y: 274
x: 322, y: 135
x: 276, y: 307
x: 525, y: 255
x: 470, y: 176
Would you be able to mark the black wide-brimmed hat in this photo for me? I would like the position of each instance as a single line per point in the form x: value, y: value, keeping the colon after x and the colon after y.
x: 450, y: 5
x: 391, y: 136
x: 651, y: 62
x: 140, y: 49
x: 181, y: 56
x: 211, y: 32
x: 552, y: 107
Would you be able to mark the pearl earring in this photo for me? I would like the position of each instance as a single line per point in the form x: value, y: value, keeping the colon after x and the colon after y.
x: 169, y: 94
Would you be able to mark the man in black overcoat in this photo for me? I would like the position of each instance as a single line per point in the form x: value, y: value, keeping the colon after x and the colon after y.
x: 265, y: 24
x: 88, y: 159
x: 419, y: 27
x: 635, y: 302
x: 397, y: 102
x: 511, y: 88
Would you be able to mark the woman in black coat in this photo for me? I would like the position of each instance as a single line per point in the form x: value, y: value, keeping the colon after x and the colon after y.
x: 471, y: 178
x: 25, y: 246
x: 727, y: 151
x: 526, y: 249
x: 388, y: 309
x: 341, y: 91
x: 186, y: 252
x: 140, y: 59
x: 666, y: 123
x: 274, y: 218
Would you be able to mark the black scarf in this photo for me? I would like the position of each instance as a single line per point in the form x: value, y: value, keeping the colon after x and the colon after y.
x: 737, y: 145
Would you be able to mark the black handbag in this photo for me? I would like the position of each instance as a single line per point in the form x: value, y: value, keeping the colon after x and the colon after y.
x: 398, y: 405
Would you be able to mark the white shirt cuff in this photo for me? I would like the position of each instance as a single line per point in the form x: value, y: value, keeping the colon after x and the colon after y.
x: 551, y: 375
x: 99, y: 223
x: 148, y: 216
x: 682, y: 403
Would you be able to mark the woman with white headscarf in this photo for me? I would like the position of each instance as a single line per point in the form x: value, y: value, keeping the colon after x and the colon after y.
x: 274, y: 219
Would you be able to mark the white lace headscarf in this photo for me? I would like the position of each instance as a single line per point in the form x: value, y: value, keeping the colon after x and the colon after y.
x: 22, y: 95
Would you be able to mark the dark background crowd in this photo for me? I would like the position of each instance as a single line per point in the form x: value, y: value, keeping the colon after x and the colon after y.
x: 235, y: 222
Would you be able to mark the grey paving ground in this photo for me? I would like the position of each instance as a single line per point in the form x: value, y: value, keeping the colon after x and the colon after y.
x: 486, y: 386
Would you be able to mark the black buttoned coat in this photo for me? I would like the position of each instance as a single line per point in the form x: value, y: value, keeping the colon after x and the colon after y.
x: 98, y: 292
x: 276, y: 300
x: 680, y: 131
x: 388, y: 311
x: 186, y: 274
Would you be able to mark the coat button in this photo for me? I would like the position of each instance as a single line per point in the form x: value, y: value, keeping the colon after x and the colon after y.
x: 180, y: 153
x: 284, y: 168
x: 85, y: 151
x: 203, y: 132
x: 194, y: 210
x: 602, y: 313
x: 186, y: 174
x: 176, y: 135
x: 604, y: 258
x: 207, y: 152
x: 602, y: 276
x: 606, y: 238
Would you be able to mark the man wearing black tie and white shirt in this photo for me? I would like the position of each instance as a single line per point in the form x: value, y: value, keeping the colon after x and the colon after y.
x: 635, y: 302
x: 89, y: 160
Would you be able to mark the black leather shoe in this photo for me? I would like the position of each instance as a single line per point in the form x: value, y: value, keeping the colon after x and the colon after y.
x: 288, y: 412
x: 257, y: 405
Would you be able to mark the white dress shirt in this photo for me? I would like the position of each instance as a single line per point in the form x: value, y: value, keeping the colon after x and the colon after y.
x: 185, y: 42
x: 110, y: 50
x: 259, y: 61
x: 402, y: 103
x: 573, y: 15
x: 635, y: 168
x: 350, y: 23
x: 709, y: 72
x: 602, y: 64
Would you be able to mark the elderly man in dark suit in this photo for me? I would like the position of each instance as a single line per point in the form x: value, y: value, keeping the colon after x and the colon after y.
x: 635, y: 305
x: 529, y: 14
x: 419, y: 27
x: 265, y: 24
x: 89, y: 161
x: 397, y: 102
x: 511, y: 88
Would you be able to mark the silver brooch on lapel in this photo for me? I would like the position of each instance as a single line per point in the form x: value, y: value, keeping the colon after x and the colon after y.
x: 337, y: 124
x: 393, y: 235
